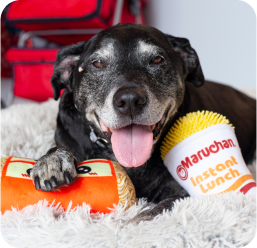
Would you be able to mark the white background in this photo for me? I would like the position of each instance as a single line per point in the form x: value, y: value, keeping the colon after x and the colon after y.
x: 223, y: 33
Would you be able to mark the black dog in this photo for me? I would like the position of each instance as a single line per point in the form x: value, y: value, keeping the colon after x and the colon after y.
x: 124, y: 88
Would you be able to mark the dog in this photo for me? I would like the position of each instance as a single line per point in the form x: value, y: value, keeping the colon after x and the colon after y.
x: 124, y: 89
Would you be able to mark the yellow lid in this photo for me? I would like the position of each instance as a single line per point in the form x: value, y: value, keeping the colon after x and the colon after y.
x: 187, y: 125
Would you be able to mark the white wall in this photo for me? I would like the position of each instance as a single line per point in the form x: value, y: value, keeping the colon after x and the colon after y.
x: 223, y: 33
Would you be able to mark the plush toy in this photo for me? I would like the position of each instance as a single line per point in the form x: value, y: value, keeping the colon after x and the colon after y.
x: 100, y: 183
x: 202, y: 153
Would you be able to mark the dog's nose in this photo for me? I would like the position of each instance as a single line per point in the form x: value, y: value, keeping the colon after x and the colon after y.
x: 130, y: 101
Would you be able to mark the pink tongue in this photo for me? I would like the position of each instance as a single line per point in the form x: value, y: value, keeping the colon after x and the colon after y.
x: 132, y: 145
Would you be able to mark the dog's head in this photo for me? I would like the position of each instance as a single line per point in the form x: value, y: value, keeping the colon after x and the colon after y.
x: 128, y: 80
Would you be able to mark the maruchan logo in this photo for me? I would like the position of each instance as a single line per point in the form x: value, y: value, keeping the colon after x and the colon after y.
x: 189, y: 161
x: 182, y: 172
x: 206, y: 152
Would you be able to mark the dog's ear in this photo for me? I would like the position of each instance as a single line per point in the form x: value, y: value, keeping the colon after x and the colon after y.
x: 66, y: 60
x: 190, y: 59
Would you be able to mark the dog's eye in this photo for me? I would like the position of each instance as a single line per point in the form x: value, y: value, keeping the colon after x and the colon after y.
x: 98, y: 63
x: 157, y: 60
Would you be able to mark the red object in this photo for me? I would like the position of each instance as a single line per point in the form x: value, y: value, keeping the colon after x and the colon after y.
x: 7, y: 40
x: 31, y: 15
x: 247, y: 187
x: 33, y: 69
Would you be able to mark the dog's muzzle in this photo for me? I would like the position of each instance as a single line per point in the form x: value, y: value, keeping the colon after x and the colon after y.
x: 132, y: 144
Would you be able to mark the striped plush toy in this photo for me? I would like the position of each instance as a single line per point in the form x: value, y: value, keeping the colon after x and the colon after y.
x: 202, y: 153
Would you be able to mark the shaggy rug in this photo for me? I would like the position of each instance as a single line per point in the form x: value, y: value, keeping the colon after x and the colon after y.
x: 227, y: 220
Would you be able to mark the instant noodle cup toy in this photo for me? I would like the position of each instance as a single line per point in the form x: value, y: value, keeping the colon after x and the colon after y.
x: 202, y: 153
x: 100, y: 183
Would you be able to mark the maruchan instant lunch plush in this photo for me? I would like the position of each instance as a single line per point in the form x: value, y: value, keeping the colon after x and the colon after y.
x: 202, y: 153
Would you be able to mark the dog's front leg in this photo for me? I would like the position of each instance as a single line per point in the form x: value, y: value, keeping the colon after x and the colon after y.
x: 56, y: 168
x: 163, y: 190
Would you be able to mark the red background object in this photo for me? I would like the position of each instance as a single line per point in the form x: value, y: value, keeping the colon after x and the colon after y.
x: 7, y: 40
x: 33, y: 69
x: 31, y: 15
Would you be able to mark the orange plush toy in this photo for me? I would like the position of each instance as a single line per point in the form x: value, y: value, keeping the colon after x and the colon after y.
x: 100, y: 183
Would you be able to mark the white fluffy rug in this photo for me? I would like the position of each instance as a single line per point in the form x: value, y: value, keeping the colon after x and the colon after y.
x: 215, y: 221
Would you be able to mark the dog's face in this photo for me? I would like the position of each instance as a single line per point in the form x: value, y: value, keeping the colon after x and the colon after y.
x: 128, y: 80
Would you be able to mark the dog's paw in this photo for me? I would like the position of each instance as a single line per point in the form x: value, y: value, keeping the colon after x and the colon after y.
x: 144, y: 216
x: 150, y: 214
x: 56, y: 168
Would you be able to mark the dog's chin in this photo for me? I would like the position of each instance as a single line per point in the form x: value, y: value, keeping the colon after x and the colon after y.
x: 132, y: 144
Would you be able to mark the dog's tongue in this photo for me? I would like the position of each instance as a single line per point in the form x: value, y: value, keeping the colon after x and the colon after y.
x: 132, y: 145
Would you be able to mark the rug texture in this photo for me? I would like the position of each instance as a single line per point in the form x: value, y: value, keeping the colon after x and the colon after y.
x: 212, y: 221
